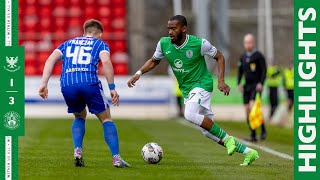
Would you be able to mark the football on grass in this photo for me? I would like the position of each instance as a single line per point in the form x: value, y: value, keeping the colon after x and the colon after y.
x: 152, y: 153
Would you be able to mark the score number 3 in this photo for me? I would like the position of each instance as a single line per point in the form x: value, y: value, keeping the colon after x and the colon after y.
x: 11, y: 100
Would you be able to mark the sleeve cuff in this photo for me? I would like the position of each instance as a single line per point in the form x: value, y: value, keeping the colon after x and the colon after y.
x: 59, y: 51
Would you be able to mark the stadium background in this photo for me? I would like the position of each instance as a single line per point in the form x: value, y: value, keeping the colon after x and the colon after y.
x: 132, y: 29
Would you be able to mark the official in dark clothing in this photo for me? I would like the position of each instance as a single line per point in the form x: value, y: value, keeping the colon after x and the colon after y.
x: 252, y: 66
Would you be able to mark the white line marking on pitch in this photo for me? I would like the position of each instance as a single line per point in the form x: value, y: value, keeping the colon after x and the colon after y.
x: 258, y: 146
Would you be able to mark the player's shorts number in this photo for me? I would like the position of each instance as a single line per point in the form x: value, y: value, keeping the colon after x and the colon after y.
x: 79, y: 55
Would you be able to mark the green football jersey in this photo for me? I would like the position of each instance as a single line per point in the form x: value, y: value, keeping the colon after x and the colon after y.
x: 187, y: 62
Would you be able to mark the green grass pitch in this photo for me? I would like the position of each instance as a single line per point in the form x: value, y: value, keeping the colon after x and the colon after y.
x: 46, y: 152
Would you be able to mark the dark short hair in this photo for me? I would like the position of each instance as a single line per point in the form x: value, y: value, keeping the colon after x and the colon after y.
x: 92, y: 23
x: 181, y: 19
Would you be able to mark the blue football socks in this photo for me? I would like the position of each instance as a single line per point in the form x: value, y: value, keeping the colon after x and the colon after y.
x: 78, y: 129
x: 111, y: 137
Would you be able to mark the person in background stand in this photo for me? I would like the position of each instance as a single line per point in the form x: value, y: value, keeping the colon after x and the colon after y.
x: 289, y: 84
x: 252, y: 66
x: 273, y: 81
x: 177, y: 93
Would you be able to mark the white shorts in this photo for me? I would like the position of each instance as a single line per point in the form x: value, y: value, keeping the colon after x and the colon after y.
x: 203, y: 98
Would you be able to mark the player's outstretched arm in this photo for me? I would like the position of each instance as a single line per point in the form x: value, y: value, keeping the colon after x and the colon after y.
x: 109, y: 73
x: 222, y: 86
x: 47, y: 71
x: 148, y: 66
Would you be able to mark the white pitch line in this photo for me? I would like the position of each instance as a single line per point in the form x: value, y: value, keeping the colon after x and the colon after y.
x: 258, y: 146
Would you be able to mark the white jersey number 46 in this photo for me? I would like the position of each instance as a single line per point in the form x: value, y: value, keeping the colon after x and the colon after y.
x: 79, y: 56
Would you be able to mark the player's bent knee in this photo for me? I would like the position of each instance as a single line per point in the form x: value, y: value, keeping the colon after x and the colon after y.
x: 104, y: 116
x: 193, y: 117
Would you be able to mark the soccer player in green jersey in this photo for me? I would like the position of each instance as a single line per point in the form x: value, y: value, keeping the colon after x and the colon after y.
x: 185, y: 54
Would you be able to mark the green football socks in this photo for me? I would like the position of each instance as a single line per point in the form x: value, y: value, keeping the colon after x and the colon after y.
x: 218, y: 132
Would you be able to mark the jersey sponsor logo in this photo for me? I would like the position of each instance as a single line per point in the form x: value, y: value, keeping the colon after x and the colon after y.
x: 189, y: 53
x: 168, y: 52
x: 180, y: 70
x: 178, y: 63
x: 76, y: 69
x: 12, y: 64
x: 11, y: 120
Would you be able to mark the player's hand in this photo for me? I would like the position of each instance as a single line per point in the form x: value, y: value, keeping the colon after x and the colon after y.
x: 240, y: 88
x: 43, y: 91
x: 114, y: 97
x: 133, y: 80
x: 259, y: 87
x: 223, y: 87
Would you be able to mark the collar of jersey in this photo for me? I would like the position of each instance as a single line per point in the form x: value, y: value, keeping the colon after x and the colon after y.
x: 182, y: 45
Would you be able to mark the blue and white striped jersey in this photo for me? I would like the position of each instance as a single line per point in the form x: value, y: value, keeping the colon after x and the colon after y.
x: 80, y: 58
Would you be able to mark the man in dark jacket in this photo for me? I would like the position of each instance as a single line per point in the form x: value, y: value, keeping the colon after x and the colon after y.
x: 252, y: 66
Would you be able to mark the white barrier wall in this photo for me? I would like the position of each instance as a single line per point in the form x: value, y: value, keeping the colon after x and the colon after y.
x: 152, y: 97
x: 148, y: 90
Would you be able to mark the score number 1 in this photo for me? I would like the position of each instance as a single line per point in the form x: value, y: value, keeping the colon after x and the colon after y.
x: 11, y: 99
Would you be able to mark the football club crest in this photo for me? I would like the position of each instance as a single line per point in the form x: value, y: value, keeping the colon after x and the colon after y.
x: 189, y: 53
x: 12, y: 64
x: 11, y: 120
x: 178, y: 63
x: 253, y: 67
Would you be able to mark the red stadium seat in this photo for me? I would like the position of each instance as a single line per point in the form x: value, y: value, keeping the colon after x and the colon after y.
x: 104, y: 2
x: 90, y: 2
x: 119, y: 34
x: 118, y: 3
x: 104, y: 11
x: 45, y: 23
x: 119, y: 57
x: 40, y: 68
x: 44, y: 2
x: 30, y: 58
x: 75, y: 2
x: 119, y: 23
x: 45, y: 11
x: 75, y: 32
x: 59, y: 11
x: 75, y: 12
x: 30, y: 70
x: 29, y: 36
x: 106, y: 22
x: 59, y: 34
x: 120, y: 68
x: 61, y: 2
x: 56, y: 44
x: 29, y: 46
x: 43, y: 56
x: 30, y: 10
x: 30, y: 2
x: 60, y: 22
x: 119, y: 12
x: 75, y: 22
x: 119, y: 46
x: 57, y: 68
x: 90, y: 13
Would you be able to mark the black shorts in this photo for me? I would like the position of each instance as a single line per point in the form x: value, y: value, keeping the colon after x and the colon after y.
x: 249, y: 93
x: 290, y: 94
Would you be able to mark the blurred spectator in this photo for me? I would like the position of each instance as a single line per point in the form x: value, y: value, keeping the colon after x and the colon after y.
x: 289, y: 84
x: 177, y: 93
x: 273, y: 81
x: 253, y: 66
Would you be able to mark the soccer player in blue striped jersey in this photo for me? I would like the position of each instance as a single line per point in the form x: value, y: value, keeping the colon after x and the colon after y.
x: 81, y: 87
